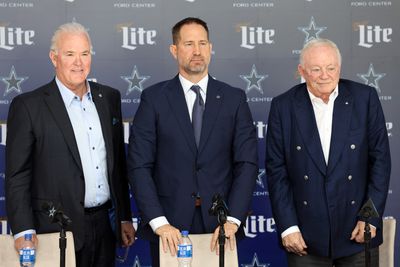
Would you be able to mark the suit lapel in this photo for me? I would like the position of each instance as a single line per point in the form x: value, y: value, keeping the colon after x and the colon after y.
x: 177, y: 102
x: 213, y: 102
x: 308, y: 127
x: 340, y: 125
x: 57, y: 108
x: 106, y: 122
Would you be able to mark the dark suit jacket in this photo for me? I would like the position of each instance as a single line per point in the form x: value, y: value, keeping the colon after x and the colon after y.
x: 323, y: 200
x: 43, y: 162
x: 166, y: 169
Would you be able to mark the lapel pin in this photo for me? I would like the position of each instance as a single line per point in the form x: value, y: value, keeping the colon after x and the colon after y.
x: 218, y: 96
x: 100, y: 95
x: 347, y: 103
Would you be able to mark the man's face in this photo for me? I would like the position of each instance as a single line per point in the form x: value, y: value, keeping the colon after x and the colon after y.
x: 321, y: 70
x: 193, y: 51
x: 72, y: 60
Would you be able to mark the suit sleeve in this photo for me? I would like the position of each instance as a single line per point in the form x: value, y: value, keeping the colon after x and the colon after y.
x: 141, y: 160
x: 19, y: 152
x: 279, y: 187
x: 379, y: 155
x: 245, y: 161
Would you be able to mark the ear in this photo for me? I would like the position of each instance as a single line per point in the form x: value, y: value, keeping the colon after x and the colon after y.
x: 53, y: 58
x: 173, y: 50
x: 301, y: 70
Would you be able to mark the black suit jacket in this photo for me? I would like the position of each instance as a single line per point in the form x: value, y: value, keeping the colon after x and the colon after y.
x: 166, y: 169
x: 43, y: 162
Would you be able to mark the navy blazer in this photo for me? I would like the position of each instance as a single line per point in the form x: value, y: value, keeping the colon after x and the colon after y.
x: 43, y: 162
x: 166, y: 169
x: 324, y: 199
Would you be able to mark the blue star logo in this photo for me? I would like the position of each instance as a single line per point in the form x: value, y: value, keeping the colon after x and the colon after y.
x: 13, y: 82
x: 371, y: 78
x: 253, y: 80
x: 256, y: 263
x: 312, y: 31
x: 137, y: 263
x: 261, y: 174
x: 135, y: 81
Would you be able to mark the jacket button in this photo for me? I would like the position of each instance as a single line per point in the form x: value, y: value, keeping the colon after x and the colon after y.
x: 353, y: 146
x: 353, y: 202
x: 350, y: 177
x: 305, y: 203
x: 306, y: 177
x: 298, y: 148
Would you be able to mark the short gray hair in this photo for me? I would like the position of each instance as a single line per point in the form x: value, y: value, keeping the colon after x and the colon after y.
x: 319, y: 42
x: 70, y: 27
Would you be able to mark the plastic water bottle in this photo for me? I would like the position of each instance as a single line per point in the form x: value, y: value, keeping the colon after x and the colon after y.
x: 27, y: 255
x: 185, y: 250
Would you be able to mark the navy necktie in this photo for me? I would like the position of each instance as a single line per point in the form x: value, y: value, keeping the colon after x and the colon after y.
x: 197, y: 113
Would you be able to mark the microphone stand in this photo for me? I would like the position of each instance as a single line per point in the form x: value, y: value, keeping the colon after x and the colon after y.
x: 64, y: 222
x: 57, y: 216
x: 221, y: 237
x: 367, y: 212
x: 220, y: 210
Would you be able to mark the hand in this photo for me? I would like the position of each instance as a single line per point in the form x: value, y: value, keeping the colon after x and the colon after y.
x: 19, y: 242
x: 230, y: 231
x: 170, y: 238
x: 127, y: 234
x: 358, y: 232
x: 294, y: 243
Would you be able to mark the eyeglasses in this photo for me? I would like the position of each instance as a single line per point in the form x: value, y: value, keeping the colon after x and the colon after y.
x: 123, y: 255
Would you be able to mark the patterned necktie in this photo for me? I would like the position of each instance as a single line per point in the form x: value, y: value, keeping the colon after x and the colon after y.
x: 197, y: 113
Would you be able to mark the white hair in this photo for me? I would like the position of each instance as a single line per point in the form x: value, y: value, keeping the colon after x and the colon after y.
x: 319, y: 42
x: 71, y: 27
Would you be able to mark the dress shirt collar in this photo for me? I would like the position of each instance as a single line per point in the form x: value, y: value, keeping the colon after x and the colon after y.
x: 68, y: 96
x: 186, y: 84
x: 332, y: 96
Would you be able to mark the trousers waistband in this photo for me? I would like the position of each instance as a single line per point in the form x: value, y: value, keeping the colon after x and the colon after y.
x: 104, y: 206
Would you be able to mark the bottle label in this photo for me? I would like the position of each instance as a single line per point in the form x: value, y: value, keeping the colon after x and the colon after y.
x: 27, y: 255
x: 184, y: 251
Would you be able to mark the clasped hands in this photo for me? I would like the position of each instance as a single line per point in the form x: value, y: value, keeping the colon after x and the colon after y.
x: 171, y: 236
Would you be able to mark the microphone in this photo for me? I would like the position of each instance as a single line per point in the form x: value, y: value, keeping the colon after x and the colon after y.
x: 56, y: 215
x: 219, y: 208
x: 368, y: 210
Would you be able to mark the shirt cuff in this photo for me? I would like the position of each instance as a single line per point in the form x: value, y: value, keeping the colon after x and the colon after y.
x: 30, y: 231
x: 233, y: 220
x: 290, y: 230
x: 158, y: 222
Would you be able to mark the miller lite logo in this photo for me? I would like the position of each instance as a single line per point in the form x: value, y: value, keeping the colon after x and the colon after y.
x: 252, y: 36
x: 11, y: 37
x: 369, y: 35
x: 134, y: 37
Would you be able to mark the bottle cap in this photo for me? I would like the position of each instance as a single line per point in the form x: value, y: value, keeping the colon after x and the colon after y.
x: 185, y: 232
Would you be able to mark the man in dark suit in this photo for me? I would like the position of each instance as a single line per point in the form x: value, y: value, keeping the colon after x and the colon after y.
x: 65, y: 147
x: 192, y: 137
x: 327, y: 153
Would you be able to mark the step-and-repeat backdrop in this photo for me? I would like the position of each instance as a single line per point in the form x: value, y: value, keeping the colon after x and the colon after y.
x: 256, y: 45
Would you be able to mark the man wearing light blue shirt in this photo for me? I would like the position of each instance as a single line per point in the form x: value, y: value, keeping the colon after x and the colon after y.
x: 65, y: 147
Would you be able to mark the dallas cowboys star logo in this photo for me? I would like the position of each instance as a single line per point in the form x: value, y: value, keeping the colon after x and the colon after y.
x: 13, y: 82
x: 255, y: 263
x: 312, y: 31
x: 52, y: 212
x: 253, y: 80
x: 261, y: 173
x: 371, y: 78
x: 135, y: 81
x: 137, y: 263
